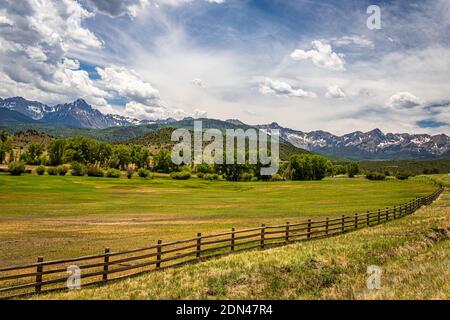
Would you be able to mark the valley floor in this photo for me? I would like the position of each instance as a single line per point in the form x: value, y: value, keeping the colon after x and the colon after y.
x: 63, y: 217
x: 412, y: 252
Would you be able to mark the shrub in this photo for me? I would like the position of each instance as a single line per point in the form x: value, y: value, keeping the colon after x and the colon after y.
x: 200, y: 175
x: 78, y: 169
x: 130, y: 171
x: 211, y: 176
x: 52, y: 171
x: 434, y: 171
x: 403, y: 175
x: 144, y: 173
x: 62, y: 170
x: 247, y: 176
x: 40, y: 170
x: 277, y: 177
x: 113, y: 173
x: 375, y: 176
x: 94, y: 170
x: 16, y: 168
x: 182, y: 175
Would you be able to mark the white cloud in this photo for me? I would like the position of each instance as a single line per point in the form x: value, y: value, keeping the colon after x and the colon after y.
x: 128, y: 84
x: 403, y: 100
x: 198, y: 82
x: 321, y: 55
x: 361, y: 41
x: 115, y: 8
x: 33, y: 53
x: 155, y: 112
x: 335, y: 92
x: 278, y: 88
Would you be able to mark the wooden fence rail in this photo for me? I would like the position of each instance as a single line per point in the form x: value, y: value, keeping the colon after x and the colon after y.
x: 47, y: 276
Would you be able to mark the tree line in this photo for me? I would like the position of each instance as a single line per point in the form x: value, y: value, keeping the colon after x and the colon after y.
x: 87, y: 156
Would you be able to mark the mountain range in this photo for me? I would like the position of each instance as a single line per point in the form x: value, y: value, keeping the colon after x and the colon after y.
x: 79, y: 117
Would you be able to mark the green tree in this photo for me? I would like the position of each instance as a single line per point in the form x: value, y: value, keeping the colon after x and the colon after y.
x: 33, y: 153
x: 162, y: 162
x: 139, y: 156
x: 352, y: 169
x: 5, y: 146
x: 56, y: 151
x: 307, y: 167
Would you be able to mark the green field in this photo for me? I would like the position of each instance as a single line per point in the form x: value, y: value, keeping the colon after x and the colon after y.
x: 60, y: 217
x: 412, y: 254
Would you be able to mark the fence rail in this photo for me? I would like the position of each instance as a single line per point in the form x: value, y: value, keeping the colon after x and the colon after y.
x: 47, y: 276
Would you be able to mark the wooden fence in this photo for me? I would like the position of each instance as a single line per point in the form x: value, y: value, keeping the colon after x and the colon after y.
x: 46, y: 276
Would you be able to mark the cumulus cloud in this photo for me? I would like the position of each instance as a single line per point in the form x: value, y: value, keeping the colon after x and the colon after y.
x: 403, y: 100
x: 322, y: 55
x: 115, y: 8
x: 361, y: 41
x: 278, y: 88
x: 128, y: 84
x: 33, y: 51
x: 335, y: 92
x: 155, y: 112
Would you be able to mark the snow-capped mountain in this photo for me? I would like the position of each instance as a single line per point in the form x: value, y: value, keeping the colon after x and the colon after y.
x: 33, y: 109
x: 77, y: 114
x: 368, y: 145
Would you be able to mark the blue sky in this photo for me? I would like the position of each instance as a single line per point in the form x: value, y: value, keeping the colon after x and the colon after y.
x: 305, y: 64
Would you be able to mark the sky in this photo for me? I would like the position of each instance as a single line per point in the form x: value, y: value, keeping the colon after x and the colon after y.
x: 307, y: 65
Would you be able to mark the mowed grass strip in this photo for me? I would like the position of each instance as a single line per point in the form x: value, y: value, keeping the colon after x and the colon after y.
x: 60, y: 217
x: 412, y: 253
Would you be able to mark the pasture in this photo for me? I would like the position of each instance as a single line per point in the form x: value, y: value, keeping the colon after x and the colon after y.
x: 60, y: 217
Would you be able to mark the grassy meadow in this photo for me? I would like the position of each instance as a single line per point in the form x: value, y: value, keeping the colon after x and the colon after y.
x: 412, y: 253
x: 66, y: 216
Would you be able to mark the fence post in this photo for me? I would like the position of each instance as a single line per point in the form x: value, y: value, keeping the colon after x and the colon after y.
x: 387, y: 214
x: 105, y: 265
x: 379, y: 216
x: 356, y: 221
x: 368, y: 218
x: 232, y: 239
x: 326, y: 225
x: 343, y: 223
x: 287, y: 232
x: 263, y: 231
x: 309, y: 229
x: 158, y: 254
x: 395, y: 212
x: 39, y: 270
x: 199, y: 244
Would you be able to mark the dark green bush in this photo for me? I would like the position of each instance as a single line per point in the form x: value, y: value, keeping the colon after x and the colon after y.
x: 78, y: 169
x: 403, y: 175
x: 376, y: 176
x: 52, y: 171
x: 94, y: 170
x: 144, y: 173
x: 62, y: 170
x: 182, y: 175
x: 211, y: 176
x: 113, y: 173
x: 246, y: 176
x: 40, y: 170
x: 16, y: 168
